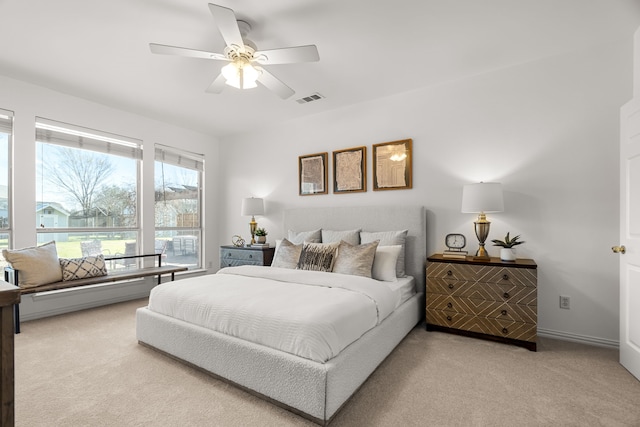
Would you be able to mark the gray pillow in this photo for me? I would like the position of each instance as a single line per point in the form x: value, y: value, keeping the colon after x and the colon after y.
x: 356, y: 260
x: 38, y: 265
x: 350, y: 236
x: 389, y: 238
x: 318, y: 256
x: 287, y: 255
x: 313, y: 236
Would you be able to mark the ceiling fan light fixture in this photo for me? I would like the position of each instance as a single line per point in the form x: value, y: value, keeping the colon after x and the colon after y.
x: 241, y: 74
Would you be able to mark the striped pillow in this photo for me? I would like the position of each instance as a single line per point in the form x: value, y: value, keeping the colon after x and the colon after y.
x: 318, y: 256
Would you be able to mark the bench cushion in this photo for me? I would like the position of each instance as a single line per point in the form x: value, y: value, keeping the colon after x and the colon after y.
x: 38, y: 264
x: 80, y: 268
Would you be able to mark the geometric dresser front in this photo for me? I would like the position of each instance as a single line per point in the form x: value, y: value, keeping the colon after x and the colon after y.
x: 489, y: 299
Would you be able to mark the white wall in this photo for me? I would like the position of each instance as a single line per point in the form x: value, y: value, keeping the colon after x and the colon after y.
x: 548, y: 130
x: 27, y: 102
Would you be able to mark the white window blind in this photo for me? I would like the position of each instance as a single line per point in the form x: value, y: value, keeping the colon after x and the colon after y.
x: 6, y: 121
x: 180, y: 158
x: 73, y: 136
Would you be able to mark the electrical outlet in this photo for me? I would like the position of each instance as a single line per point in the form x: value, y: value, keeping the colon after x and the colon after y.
x: 565, y: 302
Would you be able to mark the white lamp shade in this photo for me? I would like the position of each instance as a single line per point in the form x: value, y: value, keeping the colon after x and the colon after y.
x: 482, y: 197
x: 252, y: 206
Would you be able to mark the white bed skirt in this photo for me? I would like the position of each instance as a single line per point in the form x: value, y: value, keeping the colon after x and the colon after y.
x: 311, y: 389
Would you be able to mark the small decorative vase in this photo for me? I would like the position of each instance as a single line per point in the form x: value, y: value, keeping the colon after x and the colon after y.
x: 262, y: 239
x: 507, y: 254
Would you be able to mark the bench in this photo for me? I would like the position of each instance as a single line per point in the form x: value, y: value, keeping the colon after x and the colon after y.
x: 11, y: 275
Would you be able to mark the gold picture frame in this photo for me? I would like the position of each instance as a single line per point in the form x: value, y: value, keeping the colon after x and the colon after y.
x: 392, y: 165
x: 312, y: 174
x: 350, y: 170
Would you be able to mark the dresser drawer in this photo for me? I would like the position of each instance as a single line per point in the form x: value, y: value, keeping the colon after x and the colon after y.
x: 504, y: 328
x: 505, y: 292
x: 483, y: 308
x: 230, y: 262
x: 452, y: 272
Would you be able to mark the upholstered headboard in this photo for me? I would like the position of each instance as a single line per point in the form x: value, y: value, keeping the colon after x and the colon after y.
x: 370, y: 218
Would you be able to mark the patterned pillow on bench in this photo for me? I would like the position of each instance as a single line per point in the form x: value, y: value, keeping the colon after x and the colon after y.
x: 80, y: 268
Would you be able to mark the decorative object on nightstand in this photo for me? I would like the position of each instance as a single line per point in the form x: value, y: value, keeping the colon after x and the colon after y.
x: 507, y: 253
x: 237, y: 241
x: 482, y: 198
x: 455, y: 244
x: 261, y: 233
x: 252, y: 206
x: 231, y: 256
x: 487, y: 299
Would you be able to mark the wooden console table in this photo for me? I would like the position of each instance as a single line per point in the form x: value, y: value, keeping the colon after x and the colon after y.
x: 9, y: 296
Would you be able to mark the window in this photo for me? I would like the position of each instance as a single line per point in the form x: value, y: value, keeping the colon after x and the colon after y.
x: 178, y: 206
x: 6, y: 133
x: 87, y: 190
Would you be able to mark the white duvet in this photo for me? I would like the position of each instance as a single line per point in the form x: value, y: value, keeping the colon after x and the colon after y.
x: 307, y: 313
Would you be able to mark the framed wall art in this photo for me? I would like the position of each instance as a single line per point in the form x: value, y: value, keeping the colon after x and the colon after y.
x: 350, y: 170
x: 392, y: 165
x: 312, y: 174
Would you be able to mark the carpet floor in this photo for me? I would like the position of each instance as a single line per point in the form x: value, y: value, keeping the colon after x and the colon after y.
x: 87, y: 369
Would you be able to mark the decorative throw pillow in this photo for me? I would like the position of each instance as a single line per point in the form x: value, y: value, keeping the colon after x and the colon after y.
x: 37, y: 265
x: 318, y: 256
x: 80, y: 268
x: 389, y: 238
x: 356, y: 260
x: 298, y: 237
x: 287, y: 255
x: 350, y: 236
x: 384, y: 263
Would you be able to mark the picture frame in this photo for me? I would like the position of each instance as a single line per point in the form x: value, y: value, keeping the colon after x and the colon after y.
x: 312, y: 174
x: 392, y: 168
x: 350, y: 170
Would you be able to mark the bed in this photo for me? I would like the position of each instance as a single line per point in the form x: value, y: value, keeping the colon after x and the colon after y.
x: 314, y: 381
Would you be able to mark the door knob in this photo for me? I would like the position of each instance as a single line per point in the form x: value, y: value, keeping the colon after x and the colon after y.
x: 619, y: 249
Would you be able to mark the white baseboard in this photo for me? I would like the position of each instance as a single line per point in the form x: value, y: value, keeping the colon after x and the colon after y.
x: 584, y: 339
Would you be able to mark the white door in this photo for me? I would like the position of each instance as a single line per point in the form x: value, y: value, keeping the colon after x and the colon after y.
x: 630, y: 237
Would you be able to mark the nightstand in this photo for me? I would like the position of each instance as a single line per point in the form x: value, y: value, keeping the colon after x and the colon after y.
x: 488, y: 299
x: 231, y: 256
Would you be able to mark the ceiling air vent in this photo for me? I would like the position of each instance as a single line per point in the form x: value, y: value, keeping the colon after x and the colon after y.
x: 313, y: 97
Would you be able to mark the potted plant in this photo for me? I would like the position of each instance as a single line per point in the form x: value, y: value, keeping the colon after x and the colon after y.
x: 507, y: 253
x: 261, y: 234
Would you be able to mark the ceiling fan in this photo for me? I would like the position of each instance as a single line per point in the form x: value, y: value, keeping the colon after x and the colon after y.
x: 245, y: 60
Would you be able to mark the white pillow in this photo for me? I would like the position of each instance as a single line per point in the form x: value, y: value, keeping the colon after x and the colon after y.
x: 350, y: 236
x: 384, y: 263
x: 356, y: 260
x: 297, y: 237
x: 37, y: 265
x: 389, y: 238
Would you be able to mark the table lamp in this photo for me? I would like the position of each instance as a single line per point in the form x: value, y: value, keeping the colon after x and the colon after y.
x: 482, y: 198
x: 252, y: 206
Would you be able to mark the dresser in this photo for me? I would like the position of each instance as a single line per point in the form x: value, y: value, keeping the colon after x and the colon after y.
x: 231, y: 256
x: 488, y: 299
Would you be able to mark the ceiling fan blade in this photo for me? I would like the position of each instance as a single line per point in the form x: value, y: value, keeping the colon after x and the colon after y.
x: 271, y: 82
x: 184, y: 51
x: 217, y: 85
x: 288, y: 55
x: 227, y: 24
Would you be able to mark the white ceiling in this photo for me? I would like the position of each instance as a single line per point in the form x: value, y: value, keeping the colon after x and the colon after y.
x: 99, y: 50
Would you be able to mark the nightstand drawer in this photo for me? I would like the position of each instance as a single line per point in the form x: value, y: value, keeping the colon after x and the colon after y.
x: 231, y: 256
x: 497, y: 327
x: 242, y: 255
x: 451, y: 272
